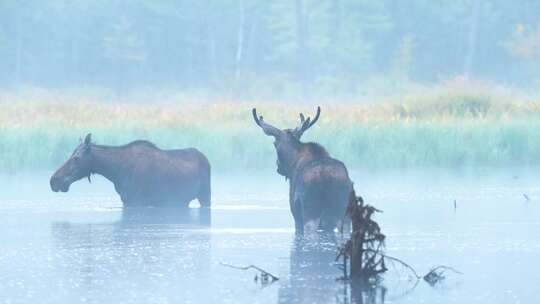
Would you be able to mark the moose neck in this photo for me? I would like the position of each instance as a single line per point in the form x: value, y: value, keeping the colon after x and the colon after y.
x: 107, y: 161
x: 308, y: 152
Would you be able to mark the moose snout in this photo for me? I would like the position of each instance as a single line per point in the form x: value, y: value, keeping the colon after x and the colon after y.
x: 58, y: 184
x: 55, y: 183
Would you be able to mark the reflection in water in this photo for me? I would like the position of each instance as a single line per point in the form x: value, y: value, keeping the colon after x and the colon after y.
x: 151, y: 251
x: 95, y: 254
x: 187, y: 217
x: 314, y: 277
x: 362, y: 292
x: 312, y: 274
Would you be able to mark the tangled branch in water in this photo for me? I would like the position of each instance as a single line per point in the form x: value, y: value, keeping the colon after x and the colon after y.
x: 364, y: 250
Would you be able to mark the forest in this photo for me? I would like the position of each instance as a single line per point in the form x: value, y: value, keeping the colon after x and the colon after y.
x: 268, y: 49
x: 401, y: 83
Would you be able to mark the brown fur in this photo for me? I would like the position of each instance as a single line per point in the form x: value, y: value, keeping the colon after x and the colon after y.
x: 142, y: 174
x: 319, y: 185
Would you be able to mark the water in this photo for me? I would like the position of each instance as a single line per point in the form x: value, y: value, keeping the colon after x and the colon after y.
x: 82, y: 247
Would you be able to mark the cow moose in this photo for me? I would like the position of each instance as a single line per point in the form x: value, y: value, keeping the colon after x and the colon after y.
x: 142, y: 173
x: 319, y: 185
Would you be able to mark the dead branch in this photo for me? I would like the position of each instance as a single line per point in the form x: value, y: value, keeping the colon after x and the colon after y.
x: 416, y: 276
x: 437, y: 274
x: 266, y: 277
x: 364, y: 251
x: 433, y: 277
x: 365, y: 243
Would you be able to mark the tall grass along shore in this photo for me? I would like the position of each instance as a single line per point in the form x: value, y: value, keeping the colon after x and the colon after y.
x: 435, y: 129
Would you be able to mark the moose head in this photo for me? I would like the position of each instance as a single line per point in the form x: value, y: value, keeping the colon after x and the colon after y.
x: 75, y: 168
x: 286, y: 142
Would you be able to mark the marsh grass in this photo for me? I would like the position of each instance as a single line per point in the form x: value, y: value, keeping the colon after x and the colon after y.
x: 441, y: 127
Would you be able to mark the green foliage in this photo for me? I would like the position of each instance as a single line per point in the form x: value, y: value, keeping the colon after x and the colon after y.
x: 433, y: 128
x: 310, y: 47
x: 396, y: 145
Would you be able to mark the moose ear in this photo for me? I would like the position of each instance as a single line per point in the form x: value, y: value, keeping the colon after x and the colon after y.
x: 88, y: 139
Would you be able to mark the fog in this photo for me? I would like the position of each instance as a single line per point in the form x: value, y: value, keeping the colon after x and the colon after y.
x: 84, y: 247
x: 146, y: 146
x: 251, y: 48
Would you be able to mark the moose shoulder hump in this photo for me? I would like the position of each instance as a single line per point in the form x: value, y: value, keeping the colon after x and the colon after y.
x: 140, y: 143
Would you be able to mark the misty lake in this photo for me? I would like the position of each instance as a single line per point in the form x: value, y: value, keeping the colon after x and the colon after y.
x: 82, y: 247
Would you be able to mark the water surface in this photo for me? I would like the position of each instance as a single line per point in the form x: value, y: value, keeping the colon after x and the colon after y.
x: 84, y: 247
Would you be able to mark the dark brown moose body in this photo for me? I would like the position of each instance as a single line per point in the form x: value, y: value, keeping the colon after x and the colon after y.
x: 319, y: 185
x: 142, y: 174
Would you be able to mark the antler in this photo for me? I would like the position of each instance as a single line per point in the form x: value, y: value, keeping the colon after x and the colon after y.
x: 267, y: 128
x: 306, y: 123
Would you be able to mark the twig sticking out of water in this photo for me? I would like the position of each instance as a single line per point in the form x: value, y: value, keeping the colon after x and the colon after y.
x: 455, y: 205
x: 437, y: 274
x: 526, y: 197
x: 265, y: 277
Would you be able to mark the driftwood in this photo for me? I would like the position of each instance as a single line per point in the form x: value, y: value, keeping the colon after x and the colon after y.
x: 263, y: 277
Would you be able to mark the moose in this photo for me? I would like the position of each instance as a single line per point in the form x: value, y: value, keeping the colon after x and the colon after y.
x: 142, y: 173
x: 319, y: 185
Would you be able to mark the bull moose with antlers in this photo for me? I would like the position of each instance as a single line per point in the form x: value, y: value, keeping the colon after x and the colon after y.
x: 319, y: 185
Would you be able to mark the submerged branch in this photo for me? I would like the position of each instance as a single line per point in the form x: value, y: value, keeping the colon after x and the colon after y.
x: 403, y: 264
x: 436, y: 274
x: 265, y: 276
x: 364, y: 251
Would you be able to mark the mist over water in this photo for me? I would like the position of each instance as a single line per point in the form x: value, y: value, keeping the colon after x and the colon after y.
x: 82, y: 246
x: 433, y: 106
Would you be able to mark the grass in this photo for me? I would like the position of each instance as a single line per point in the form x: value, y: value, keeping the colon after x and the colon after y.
x: 445, y: 126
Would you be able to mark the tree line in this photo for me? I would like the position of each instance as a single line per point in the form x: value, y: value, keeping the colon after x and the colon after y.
x: 296, y: 46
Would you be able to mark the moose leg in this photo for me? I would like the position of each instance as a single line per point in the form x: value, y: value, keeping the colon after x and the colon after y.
x: 129, y: 197
x: 125, y: 198
x: 296, y: 210
x: 312, y: 212
x: 205, y: 194
x: 128, y: 201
